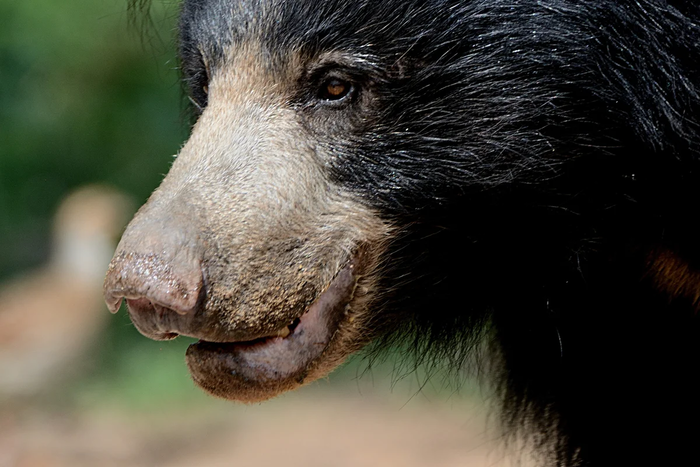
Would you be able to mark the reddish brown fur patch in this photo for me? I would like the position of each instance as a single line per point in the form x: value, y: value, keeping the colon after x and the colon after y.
x: 673, y: 275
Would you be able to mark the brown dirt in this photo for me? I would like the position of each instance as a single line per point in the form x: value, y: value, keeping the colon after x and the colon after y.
x: 309, y: 428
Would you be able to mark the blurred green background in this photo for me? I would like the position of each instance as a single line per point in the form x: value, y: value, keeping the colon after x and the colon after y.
x: 87, y: 96
x: 82, y: 99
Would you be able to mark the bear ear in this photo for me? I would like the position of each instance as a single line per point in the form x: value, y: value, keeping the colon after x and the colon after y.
x: 674, y: 276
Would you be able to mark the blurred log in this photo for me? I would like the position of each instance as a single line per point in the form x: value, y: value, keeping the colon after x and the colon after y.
x: 49, y: 317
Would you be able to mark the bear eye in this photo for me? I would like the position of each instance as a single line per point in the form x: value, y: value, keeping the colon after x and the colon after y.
x: 335, y: 89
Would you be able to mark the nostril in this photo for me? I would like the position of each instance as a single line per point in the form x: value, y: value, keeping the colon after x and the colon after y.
x: 146, y: 306
x: 176, y: 284
x: 140, y: 306
x: 152, y: 319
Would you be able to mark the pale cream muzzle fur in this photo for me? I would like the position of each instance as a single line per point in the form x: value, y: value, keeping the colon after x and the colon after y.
x: 247, y: 240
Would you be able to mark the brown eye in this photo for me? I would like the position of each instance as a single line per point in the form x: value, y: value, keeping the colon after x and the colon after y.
x: 335, y: 89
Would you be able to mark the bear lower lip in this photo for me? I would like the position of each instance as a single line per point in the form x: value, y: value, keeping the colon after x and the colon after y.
x: 259, y: 369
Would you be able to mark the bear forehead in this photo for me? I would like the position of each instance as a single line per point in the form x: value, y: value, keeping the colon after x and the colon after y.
x: 216, y: 24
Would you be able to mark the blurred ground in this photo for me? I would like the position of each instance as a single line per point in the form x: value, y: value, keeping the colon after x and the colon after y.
x: 314, y: 427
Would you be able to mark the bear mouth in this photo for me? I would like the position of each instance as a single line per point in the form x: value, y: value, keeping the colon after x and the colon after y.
x: 261, y: 367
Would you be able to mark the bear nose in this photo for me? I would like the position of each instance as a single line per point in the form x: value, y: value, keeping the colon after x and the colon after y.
x: 136, y: 276
x: 155, y: 262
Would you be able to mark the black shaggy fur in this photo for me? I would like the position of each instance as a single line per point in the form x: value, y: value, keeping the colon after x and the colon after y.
x: 539, y: 155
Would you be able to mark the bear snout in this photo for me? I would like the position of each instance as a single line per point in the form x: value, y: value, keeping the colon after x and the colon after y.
x: 158, y: 261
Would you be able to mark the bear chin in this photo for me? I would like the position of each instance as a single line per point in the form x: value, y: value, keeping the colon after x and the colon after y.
x: 259, y: 369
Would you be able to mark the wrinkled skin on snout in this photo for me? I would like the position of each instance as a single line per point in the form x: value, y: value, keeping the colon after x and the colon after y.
x: 248, y: 246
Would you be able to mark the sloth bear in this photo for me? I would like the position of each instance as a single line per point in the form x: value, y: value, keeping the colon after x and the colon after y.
x: 445, y: 173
